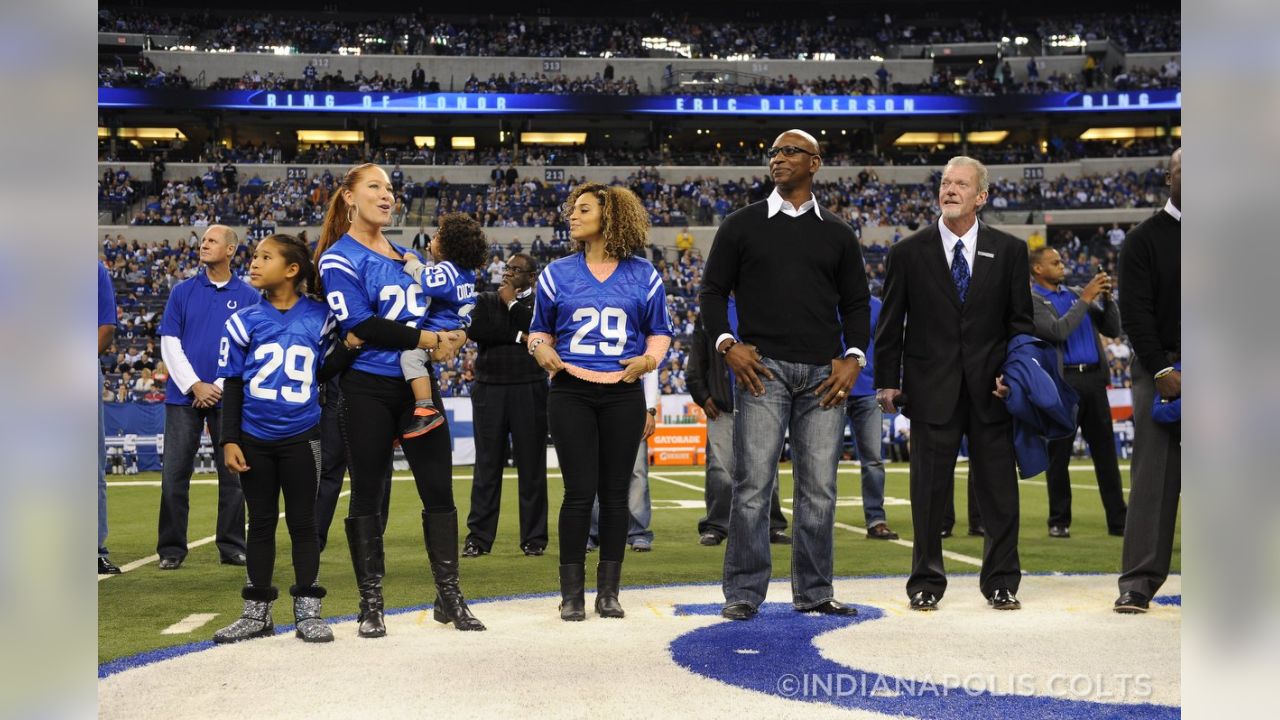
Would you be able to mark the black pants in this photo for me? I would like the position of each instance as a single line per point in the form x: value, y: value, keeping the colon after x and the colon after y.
x: 596, y: 429
x: 333, y: 464
x: 374, y: 409
x: 519, y: 412
x: 1155, y: 489
x: 294, y: 469
x: 183, y: 425
x: 949, y: 518
x: 1094, y: 418
x: 994, y: 479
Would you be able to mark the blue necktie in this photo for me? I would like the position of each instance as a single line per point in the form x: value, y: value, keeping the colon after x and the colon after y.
x: 960, y: 270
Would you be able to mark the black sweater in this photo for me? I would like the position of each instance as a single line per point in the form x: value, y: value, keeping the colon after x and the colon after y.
x: 800, y: 284
x: 502, y: 359
x: 1151, y: 290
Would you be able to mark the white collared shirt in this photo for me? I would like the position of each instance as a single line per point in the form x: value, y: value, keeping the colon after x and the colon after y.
x: 949, y: 239
x: 776, y: 203
x: 1173, y: 210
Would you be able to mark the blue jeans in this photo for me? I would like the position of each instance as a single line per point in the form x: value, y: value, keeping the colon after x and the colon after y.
x: 183, y: 425
x: 718, y: 493
x: 102, y: 473
x: 639, y: 507
x: 868, y: 422
x: 759, y: 426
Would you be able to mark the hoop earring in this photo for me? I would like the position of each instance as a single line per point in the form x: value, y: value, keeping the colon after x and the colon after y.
x: 352, y: 212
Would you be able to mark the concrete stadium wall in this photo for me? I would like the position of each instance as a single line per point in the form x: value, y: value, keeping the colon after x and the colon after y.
x: 452, y: 71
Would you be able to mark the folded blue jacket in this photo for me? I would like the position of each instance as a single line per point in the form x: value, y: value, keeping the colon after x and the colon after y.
x: 1042, y: 404
x: 1169, y: 413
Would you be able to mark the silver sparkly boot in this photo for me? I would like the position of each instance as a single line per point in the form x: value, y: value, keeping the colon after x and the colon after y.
x: 255, y: 621
x: 306, y: 615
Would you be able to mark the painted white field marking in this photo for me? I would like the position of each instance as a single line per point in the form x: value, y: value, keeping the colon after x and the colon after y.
x: 191, y: 622
x: 190, y: 546
x: 958, y: 557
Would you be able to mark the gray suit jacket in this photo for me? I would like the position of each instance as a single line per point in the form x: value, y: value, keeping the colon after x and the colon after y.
x: 1105, y: 315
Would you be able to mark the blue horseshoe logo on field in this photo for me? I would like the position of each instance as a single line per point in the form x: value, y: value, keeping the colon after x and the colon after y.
x: 775, y: 655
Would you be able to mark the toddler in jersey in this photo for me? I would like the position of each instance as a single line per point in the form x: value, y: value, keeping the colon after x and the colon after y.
x: 458, y: 249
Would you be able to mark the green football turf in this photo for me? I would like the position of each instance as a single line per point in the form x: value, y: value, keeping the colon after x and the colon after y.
x: 135, y: 607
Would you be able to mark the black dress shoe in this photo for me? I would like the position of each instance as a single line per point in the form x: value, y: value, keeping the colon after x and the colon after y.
x: 1116, y: 532
x: 978, y: 531
x: 881, y: 532
x: 1003, y: 599
x: 924, y: 601
x: 779, y: 537
x: 946, y: 533
x: 472, y: 549
x: 532, y: 550
x: 709, y: 538
x: 831, y: 607
x: 1132, y: 603
x: 170, y: 563
x: 1059, y: 531
x: 237, y: 559
x: 106, y: 567
x: 738, y: 611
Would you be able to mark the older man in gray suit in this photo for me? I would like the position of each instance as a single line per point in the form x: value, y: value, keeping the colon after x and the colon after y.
x: 1072, y: 318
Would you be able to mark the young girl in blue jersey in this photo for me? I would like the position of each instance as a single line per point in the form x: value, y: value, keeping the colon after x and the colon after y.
x: 458, y: 249
x: 269, y: 355
x: 363, y: 280
x: 600, y: 323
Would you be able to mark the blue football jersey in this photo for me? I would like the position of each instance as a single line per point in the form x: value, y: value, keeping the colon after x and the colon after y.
x: 596, y: 323
x: 453, y: 296
x: 278, y: 355
x: 360, y: 284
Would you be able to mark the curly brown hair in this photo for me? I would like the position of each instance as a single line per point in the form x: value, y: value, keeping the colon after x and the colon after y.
x: 462, y: 242
x: 624, y: 221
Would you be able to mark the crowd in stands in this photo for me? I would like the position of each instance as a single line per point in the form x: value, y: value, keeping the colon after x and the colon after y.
x: 510, y: 201
x: 808, y: 32
x: 144, y: 74
x: 836, y: 152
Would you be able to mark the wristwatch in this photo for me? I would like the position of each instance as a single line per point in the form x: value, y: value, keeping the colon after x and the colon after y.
x: 653, y: 411
x: 728, y: 347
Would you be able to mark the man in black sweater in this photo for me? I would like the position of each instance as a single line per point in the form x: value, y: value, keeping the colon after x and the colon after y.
x: 508, y: 400
x: 804, y: 317
x: 1150, y: 311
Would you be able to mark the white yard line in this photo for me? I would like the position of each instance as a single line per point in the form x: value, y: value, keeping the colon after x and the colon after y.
x: 127, y: 567
x: 191, y: 622
x: 958, y: 557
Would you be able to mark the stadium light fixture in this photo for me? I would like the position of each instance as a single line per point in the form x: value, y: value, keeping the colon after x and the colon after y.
x: 144, y: 133
x: 553, y: 138
x: 338, y: 137
x: 463, y: 142
x: 987, y: 137
x: 927, y: 138
x: 427, y: 140
x: 1128, y: 133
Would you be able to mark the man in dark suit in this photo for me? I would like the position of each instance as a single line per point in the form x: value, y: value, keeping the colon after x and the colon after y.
x: 1071, y: 318
x: 1150, y: 306
x: 955, y: 293
x: 509, y: 403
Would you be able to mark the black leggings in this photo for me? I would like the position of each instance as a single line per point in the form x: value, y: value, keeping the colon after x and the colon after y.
x: 293, y: 468
x: 374, y: 409
x: 596, y: 429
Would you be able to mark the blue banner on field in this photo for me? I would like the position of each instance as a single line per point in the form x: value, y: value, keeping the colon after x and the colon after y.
x: 757, y: 105
x: 136, y: 431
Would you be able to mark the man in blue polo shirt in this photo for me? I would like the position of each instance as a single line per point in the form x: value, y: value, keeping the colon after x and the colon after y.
x: 1071, y: 317
x: 194, y: 317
